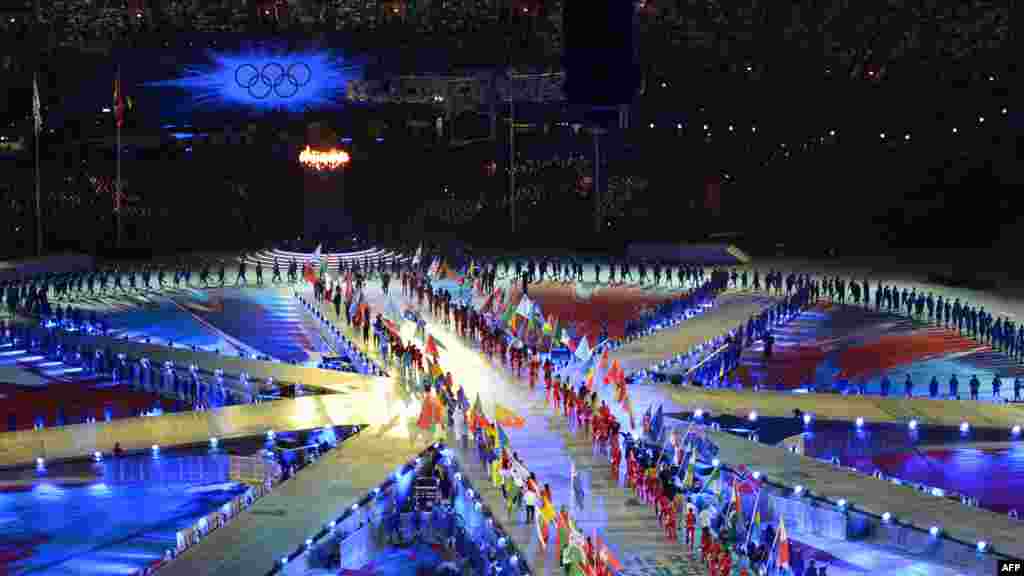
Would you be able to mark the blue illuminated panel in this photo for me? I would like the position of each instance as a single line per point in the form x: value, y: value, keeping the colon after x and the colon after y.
x: 266, y: 79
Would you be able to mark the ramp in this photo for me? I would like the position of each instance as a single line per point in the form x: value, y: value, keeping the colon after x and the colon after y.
x: 22, y: 448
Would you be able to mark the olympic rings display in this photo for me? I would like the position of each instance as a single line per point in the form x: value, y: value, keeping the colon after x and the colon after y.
x: 273, y: 78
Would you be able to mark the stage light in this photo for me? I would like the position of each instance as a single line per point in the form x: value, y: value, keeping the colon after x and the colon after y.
x: 309, y: 542
x: 982, y: 546
x: 752, y: 416
x: 715, y: 462
x: 1015, y: 430
x: 981, y: 119
x: 798, y: 490
x: 954, y: 130
x: 284, y: 560
x: 841, y: 503
x: 270, y: 434
x: 831, y: 132
x: 860, y: 422
x: 906, y: 137
x: 965, y: 427
x: 807, y: 419
x: 886, y: 517
x: 912, y: 425
x: 934, y: 531
x: 355, y: 507
x: 882, y: 135
x: 331, y: 525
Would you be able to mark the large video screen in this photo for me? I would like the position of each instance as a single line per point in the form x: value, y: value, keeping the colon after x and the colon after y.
x: 204, y: 77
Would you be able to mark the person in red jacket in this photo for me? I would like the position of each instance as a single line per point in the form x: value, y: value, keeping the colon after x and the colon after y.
x: 534, y: 367
x: 725, y: 564
x: 691, y: 526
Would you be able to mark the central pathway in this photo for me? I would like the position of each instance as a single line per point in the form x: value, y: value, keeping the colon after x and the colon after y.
x: 549, y: 448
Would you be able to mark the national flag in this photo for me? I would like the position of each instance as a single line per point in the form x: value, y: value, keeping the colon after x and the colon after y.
x: 525, y: 307
x: 577, y: 485
x: 737, y: 502
x: 37, y: 112
x: 478, y: 407
x: 582, y: 352
x: 532, y: 321
x: 118, y: 102
x: 510, y: 315
x: 501, y: 438
x: 657, y: 424
x: 715, y: 480
x: 691, y: 466
x: 432, y: 346
x: 782, y: 545
x: 508, y: 417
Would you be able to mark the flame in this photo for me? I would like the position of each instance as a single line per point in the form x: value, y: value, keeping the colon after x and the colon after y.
x: 322, y: 160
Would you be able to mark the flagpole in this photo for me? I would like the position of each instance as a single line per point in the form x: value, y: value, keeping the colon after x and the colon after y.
x: 39, y: 202
x: 117, y: 185
x: 750, y: 528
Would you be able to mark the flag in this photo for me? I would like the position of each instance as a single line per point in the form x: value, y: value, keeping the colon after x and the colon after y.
x: 577, y: 485
x: 583, y: 353
x: 37, y: 113
x: 782, y: 545
x: 715, y: 481
x: 307, y: 273
x: 525, y: 307
x: 118, y: 102
x: 509, y: 317
x: 433, y: 345
x: 657, y: 423
x: 501, y: 438
x: 737, y: 502
x: 690, y: 470
x: 757, y: 520
x: 507, y: 417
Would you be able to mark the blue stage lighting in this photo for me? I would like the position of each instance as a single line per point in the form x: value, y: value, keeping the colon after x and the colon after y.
x: 266, y: 79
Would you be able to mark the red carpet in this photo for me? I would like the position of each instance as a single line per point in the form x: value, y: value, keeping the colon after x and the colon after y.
x: 616, y: 305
